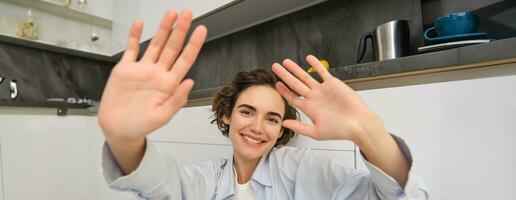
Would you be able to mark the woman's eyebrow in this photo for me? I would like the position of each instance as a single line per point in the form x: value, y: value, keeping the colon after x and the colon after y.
x: 254, y: 109
x: 247, y: 106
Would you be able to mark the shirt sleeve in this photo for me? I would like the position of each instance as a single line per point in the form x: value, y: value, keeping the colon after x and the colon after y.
x: 386, y: 185
x: 319, y: 177
x: 161, y: 177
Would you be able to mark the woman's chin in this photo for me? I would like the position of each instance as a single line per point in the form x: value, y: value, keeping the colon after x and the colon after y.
x: 250, y: 153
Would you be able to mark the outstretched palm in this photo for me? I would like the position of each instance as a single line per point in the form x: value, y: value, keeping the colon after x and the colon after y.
x: 143, y: 95
x: 336, y: 111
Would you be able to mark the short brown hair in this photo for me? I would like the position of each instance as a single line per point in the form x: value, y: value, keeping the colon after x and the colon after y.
x: 225, y: 100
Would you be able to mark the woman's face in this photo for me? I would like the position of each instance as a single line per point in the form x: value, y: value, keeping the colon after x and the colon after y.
x: 255, y: 122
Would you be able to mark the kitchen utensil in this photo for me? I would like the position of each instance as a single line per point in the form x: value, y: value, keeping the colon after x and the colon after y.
x: 389, y: 41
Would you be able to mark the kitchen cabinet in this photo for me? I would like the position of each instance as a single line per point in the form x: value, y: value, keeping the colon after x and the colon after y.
x: 194, y: 153
x: 183, y: 129
x: 151, y: 12
x: 40, y: 162
x: 1, y: 172
x: 198, y: 153
x: 51, y: 26
x: 50, y: 157
x: 191, y: 125
x: 221, y: 17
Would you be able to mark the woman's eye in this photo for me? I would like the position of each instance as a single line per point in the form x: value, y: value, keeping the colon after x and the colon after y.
x: 273, y: 120
x: 245, y: 112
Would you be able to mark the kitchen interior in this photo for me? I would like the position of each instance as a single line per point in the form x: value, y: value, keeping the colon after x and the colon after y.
x: 449, y: 91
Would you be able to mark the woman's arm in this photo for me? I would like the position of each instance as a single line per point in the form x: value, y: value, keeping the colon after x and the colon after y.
x: 338, y: 113
x: 143, y: 95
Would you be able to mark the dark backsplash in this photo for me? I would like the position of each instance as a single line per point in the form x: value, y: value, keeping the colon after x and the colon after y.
x: 330, y: 31
x: 41, y: 75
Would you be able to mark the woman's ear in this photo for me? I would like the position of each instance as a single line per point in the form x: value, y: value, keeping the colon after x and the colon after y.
x: 281, y: 132
x: 225, y: 119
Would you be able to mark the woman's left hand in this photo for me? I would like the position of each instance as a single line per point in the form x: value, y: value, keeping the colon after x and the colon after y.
x: 337, y: 112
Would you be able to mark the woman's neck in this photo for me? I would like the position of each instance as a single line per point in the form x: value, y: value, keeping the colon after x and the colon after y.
x: 244, y: 168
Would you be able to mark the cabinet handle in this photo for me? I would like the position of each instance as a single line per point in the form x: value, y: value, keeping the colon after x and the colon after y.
x: 14, y: 89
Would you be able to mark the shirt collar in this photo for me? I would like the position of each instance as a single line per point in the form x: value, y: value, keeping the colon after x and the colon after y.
x: 261, y: 175
x: 262, y: 172
x: 226, y: 187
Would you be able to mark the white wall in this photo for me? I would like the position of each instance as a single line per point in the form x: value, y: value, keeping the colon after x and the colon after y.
x: 461, y: 133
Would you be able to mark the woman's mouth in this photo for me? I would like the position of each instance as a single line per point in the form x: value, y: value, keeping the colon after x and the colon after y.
x: 250, y: 141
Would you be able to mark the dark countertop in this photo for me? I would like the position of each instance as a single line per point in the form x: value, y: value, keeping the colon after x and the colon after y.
x: 463, y: 57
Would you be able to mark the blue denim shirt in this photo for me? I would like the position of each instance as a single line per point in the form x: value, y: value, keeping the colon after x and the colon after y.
x: 284, y: 173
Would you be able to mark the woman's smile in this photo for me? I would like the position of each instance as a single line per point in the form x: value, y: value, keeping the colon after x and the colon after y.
x: 252, y: 141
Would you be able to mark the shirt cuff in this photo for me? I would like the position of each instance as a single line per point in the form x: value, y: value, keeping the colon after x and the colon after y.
x: 145, y: 180
x: 413, y: 188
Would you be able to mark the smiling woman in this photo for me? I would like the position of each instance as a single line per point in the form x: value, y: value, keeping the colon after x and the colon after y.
x: 256, y: 111
x: 250, y: 112
x: 225, y: 99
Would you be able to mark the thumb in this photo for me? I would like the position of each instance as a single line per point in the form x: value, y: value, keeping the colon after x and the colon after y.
x: 179, y: 97
x: 301, y: 128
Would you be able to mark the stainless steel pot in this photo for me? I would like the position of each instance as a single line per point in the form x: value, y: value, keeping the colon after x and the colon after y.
x: 389, y: 41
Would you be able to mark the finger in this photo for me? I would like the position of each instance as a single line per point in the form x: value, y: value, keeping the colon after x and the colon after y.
x: 180, y: 96
x: 133, y: 43
x: 294, y: 83
x: 185, y: 61
x: 160, y: 37
x: 176, y: 40
x: 289, y: 95
x: 300, y: 73
x: 323, y: 72
x: 300, y: 128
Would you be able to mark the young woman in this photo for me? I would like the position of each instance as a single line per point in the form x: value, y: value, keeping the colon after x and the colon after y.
x: 255, y: 111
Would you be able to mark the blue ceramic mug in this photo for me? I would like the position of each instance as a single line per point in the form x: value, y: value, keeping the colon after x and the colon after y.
x: 453, y: 24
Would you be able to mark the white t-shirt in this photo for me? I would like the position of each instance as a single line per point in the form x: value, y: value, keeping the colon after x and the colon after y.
x: 243, y: 191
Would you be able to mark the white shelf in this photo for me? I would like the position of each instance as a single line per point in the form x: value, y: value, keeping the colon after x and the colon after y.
x: 56, y: 9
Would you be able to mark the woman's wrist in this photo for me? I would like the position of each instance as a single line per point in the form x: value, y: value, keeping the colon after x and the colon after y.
x: 371, y: 128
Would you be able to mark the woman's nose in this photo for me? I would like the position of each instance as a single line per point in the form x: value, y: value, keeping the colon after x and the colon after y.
x: 257, y: 125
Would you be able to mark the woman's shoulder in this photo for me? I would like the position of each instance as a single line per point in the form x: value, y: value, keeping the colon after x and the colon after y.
x: 288, y: 154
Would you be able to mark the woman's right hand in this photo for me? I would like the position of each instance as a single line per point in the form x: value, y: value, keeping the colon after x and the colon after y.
x: 143, y: 95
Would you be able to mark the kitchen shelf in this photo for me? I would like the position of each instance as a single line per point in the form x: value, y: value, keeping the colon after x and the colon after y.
x: 56, y: 9
x: 48, y: 46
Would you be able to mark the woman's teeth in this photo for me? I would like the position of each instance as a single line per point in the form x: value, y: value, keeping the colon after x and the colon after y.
x: 248, y: 139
